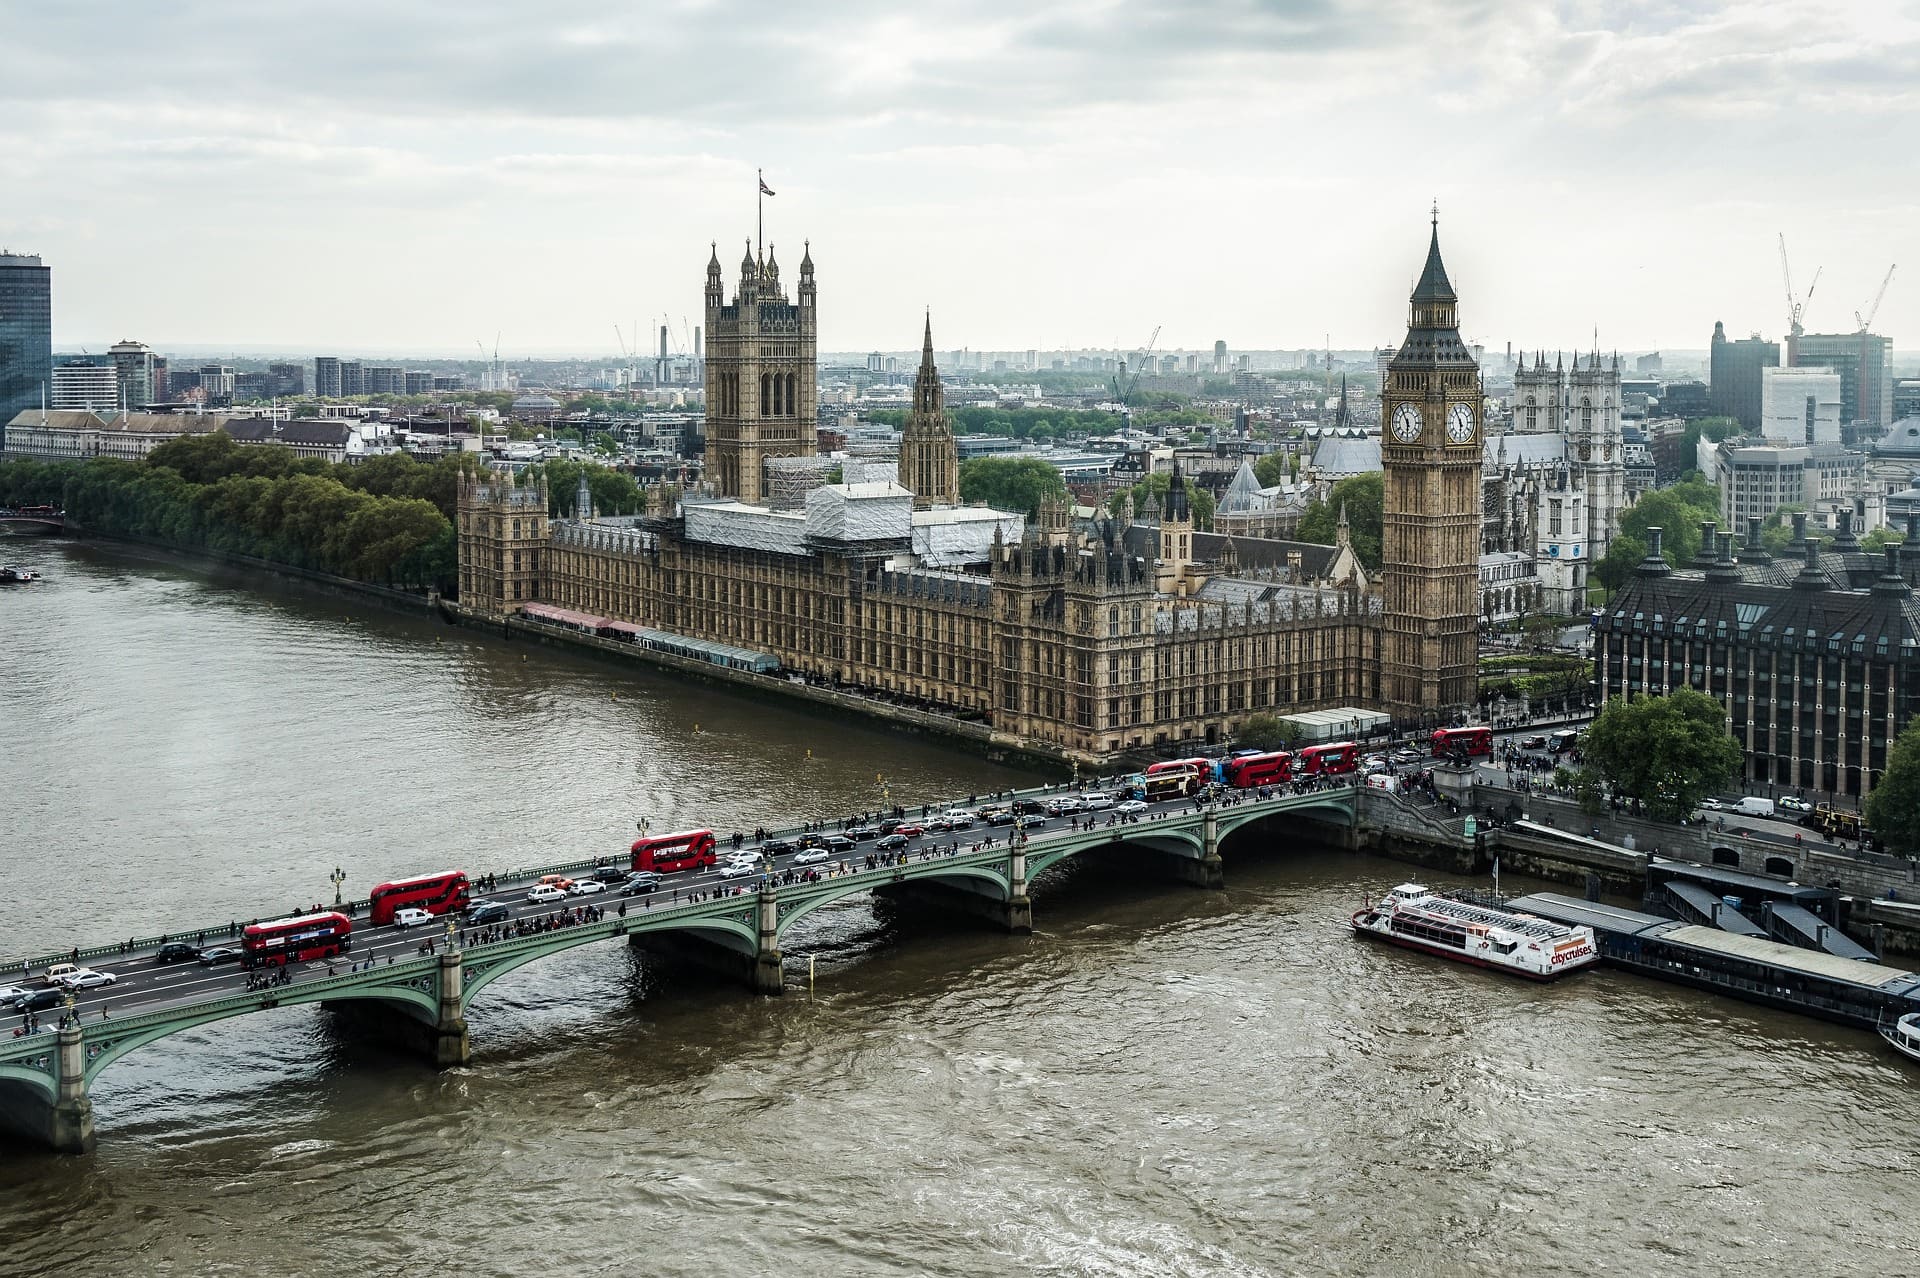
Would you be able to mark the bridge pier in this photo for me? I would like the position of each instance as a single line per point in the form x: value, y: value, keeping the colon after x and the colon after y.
x: 1209, y: 871
x: 441, y: 1041
x: 768, y: 975
x: 63, y: 1121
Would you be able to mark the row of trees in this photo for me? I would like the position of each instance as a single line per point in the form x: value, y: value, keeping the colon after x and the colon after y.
x: 387, y: 521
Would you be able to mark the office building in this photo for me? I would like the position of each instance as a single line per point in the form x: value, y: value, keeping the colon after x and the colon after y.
x: 286, y: 379
x: 88, y: 385
x: 26, y: 332
x: 326, y: 377
x: 1733, y: 375
x: 1864, y: 362
x: 353, y: 378
x: 134, y: 364
x: 1800, y: 405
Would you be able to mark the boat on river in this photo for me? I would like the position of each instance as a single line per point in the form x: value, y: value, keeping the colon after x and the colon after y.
x: 1904, y: 1035
x: 1419, y: 918
x: 18, y: 576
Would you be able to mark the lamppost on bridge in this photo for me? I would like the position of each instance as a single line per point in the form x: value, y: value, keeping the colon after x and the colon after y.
x: 338, y: 877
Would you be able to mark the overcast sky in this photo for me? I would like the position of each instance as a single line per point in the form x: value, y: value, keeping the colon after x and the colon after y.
x: 358, y: 177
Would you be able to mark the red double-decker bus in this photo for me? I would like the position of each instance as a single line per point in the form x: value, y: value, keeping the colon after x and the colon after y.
x: 440, y: 893
x: 1199, y: 767
x: 1446, y: 741
x: 665, y: 853
x: 1250, y: 770
x: 295, y: 940
x: 1329, y: 760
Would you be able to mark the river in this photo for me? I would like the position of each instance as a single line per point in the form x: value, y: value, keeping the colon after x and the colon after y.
x: 1160, y: 1080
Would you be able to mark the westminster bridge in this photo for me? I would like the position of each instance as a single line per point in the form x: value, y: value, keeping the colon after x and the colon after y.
x: 388, y: 986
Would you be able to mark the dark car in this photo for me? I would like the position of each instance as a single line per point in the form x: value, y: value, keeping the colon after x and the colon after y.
x: 890, y: 842
x: 219, y: 954
x: 481, y: 913
x: 890, y: 825
x: 838, y: 844
x: 1028, y: 807
x: 641, y: 883
x: 1002, y: 818
x: 41, y: 1000
x: 175, y: 952
x: 611, y: 873
x: 1031, y: 822
x: 861, y: 833
x: 812, y: 841
x: 1533, y: 743
x: 779, y: 847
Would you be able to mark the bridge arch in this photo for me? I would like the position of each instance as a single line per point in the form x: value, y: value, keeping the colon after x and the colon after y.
x: 483, y: 965
x: 978, y: 879
x: 1173, y: 842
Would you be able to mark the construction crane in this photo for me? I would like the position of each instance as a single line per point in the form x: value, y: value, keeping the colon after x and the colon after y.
x: 1873, y: 307
x: 1126, y: 396
x: 1796, y: 306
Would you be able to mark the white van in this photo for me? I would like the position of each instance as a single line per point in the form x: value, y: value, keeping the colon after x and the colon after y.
x: 1754, y: 806
x: 1094, y: 799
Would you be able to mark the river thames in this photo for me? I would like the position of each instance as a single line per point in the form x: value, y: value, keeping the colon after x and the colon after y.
x: 1160, y: 1080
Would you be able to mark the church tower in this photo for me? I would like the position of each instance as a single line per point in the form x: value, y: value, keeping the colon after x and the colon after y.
x: 1593, y: 426
x: 929, y: 459
x: 761, y: 392
x: 1430, y: 452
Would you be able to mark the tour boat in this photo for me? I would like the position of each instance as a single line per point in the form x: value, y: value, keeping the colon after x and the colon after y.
x: 1421, y: 919
x: 1904, y: 1035
x: 18, y: 576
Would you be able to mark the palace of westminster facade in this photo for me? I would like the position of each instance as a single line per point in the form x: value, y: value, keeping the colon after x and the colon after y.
x: 1093, y: 636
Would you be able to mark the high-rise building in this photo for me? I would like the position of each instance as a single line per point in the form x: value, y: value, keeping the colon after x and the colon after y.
x: 1864, y: 362
x: 1430, y: 528
x: 326, y: 376
x: 1800, y: 405
x: 26, y: 332
x: 385, y: 379
x: 216, y: 385
x: 929, y: 458
x: 353, y: 378
x: 87, y: 385
x: 419, y: 382
x: 134, y: 363
x: 1220, y: 357
x: 761, y: 394
x: 1733, y: 375
x: 287, y: 379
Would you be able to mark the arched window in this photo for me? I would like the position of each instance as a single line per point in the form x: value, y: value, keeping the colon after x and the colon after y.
x: 1113, y: 623
x: 766, y: 394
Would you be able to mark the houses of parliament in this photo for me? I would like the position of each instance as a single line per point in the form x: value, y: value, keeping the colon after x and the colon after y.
x: 1092, y: 636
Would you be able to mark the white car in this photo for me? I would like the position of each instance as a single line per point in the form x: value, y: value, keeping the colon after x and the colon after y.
x: 586, y: 887
x: 738, y: 870
x: 1712, y: 805
x: 544, y: 893
x: 10, y: 994
x: 1786, y: 802
x: 958, y: 814
x: 812, y: 856
x: 1096, y: 801
x: 86, y: 978
x: 411, y: 917
x: 1130, y: 807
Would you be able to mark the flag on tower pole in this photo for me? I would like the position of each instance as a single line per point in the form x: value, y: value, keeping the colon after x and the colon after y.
x: 764, y: 188
x: 760, y: 211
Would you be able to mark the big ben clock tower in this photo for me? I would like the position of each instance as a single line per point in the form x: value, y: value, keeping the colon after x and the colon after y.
x: 1430, y: 408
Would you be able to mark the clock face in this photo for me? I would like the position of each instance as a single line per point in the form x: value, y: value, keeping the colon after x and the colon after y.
x: 1460, y: 424
x: 1406, y: 423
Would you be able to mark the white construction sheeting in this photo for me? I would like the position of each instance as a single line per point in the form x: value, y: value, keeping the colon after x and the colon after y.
x: 730, y: 523
x: 859, y: 512
x: 948, y: 536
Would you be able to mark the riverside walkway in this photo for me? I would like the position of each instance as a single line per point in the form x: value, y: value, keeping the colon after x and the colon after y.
x: 386, y: 985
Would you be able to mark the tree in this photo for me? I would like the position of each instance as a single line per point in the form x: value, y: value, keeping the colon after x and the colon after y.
x: 1880, y: 538
x: 1265, y: 732
x: 1271, y: 470
x: 1364, y: 497
x: 1541, y: 631
x: 1893, y: 809
x: 1010, y: 483
x: 1150, y: 494
x: 1667, y: 752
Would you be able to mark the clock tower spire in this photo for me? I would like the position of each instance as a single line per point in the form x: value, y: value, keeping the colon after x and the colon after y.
x: 1430, y: 403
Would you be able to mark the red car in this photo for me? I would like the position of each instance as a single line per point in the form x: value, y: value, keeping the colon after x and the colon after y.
x: 908, y: 831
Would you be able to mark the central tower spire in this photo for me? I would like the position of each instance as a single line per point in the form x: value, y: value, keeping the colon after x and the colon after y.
x: 929, y: 457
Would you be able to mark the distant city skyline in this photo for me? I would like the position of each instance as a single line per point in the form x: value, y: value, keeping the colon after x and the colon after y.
x: 1258, y: 175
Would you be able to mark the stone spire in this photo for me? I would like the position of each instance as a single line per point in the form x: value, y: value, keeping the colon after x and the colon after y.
x: 929, y: 457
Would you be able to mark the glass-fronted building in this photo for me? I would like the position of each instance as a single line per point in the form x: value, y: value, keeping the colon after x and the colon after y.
x: 26, y: 333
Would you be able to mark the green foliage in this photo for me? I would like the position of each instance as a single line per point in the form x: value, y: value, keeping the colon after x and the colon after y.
x: 1265, y: 732
x: 1364, y: 497
x: 1271, y: 470
x: 1541, y: 631
x: 379, y: 522
x: 1010, y: 483
x: 1713, y: 428
x: 1677, y: 510
x: 1880, y: 538
x: 1893, y: 809
x: 1150, y: 496
x: 1667, y: 752
x: 614, y: 492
